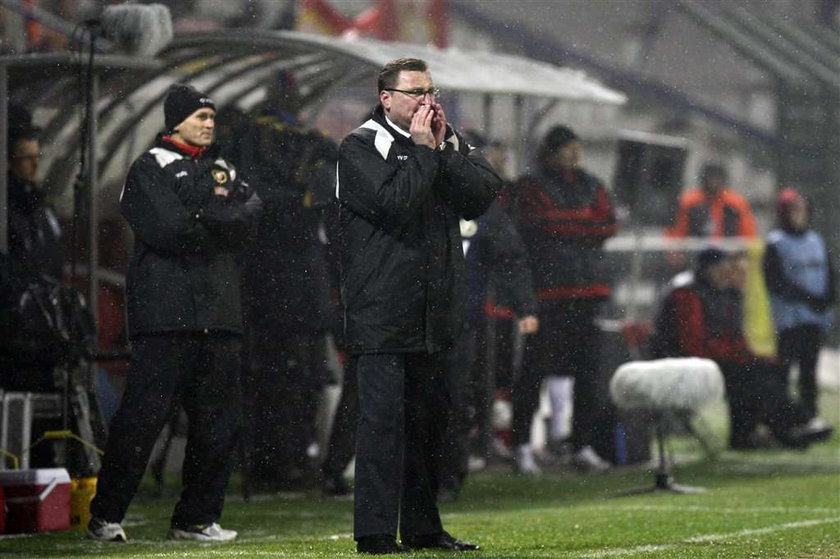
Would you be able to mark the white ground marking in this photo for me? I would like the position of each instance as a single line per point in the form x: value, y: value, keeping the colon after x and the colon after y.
x: 724, y: 510
x: 657, y: 508
x: 643, y: 549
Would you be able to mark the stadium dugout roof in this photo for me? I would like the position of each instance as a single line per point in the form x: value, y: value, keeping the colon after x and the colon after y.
x: 453, y: 69
x: 234, y: 67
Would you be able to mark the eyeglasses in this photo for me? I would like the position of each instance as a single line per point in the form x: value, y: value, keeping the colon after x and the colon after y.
x: 417, y: 93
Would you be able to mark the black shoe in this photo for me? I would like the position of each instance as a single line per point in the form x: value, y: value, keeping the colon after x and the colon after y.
x: 293, y: 478
x: 753, y: 441
x: 439, y: 541
x: 379, y: 545
x: 800, y: 436
x: 102, y: 530
x: 747, y: 445
x: 336, y: 486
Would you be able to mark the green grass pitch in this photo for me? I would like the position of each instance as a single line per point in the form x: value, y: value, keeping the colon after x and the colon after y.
x: 773, y: 504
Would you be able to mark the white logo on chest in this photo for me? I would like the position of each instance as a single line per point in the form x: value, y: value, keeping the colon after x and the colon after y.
x: 402, y: 157
x: 182, y: 174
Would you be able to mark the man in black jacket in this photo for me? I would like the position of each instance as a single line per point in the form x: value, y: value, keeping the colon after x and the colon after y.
x: 28, y: 355
x: 191, y: 215
x: 405, y: 177
x: 285, y: 270
x: 44, y: 324
x: 498, y: 275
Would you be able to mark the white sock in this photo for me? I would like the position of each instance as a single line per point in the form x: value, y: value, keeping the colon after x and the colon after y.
x: 560, y: 391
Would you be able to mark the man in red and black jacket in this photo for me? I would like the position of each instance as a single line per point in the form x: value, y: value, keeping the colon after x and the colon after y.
x: 701, y: 316
x: 564, y: 215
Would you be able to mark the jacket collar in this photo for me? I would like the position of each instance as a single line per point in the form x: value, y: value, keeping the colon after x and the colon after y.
x: 193, y: 152
x: 23, y: 195
x: 379, y: 117
x: 396, y: 128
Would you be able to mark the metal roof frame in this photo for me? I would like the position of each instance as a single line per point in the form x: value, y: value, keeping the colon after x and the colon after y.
x: 232, y: 66
x: 195, y: 57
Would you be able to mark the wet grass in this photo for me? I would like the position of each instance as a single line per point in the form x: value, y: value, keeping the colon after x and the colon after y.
x: 772, y: 503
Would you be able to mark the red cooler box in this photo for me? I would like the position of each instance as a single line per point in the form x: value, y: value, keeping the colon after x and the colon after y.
x: 36, y: 500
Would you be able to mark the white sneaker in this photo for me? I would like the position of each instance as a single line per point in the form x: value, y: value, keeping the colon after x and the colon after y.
x: 523, y: 461
x: 500, y: 449
x: 104, y: 531
x: 203, y: 533
x: 476, y: 464
x: 587, y: 460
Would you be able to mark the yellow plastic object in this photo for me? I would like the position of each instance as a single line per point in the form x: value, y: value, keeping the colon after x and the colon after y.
x: 64, y: 434
x: 14, y: 457
x: 758, y: 320
x: 82, y: 492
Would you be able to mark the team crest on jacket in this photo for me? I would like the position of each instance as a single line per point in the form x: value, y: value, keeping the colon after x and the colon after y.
x: 220, y: 176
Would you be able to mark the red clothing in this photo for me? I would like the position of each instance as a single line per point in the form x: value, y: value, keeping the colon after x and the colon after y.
x: 723, y: 214
x: 697, y: 338
x: 564, y: 219
x: 193, y: 151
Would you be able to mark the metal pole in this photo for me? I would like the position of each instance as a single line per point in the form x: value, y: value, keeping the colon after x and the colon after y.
x: 4, y: 162
x: 92, y: 187
x: 487, y: 112
x: 519, y: 140
x: 15, y: 28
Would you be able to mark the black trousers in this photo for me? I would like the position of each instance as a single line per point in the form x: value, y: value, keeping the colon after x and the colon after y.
x: 196, y: 370
x: 454, y: 458
x: 342, y: 445
x: 403, y: 404
x: 802, y: 345
x: 494, y: 367
x: 282, y: 387
x: 757, y: 394
x: 567, y: 344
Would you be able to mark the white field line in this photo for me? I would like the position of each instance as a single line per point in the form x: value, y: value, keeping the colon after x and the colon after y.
x: 644, y: 549
x: 264, y: 535
x: 228, y: 551
x: 656, y: 508
x: 724, y: 510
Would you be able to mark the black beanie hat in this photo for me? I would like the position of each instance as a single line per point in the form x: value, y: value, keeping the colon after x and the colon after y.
x: 556, y: 138
x: 708, y: 257
x: 181, y: 101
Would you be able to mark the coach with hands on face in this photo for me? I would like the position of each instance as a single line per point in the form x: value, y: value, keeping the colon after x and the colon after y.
x: 191, y: 214
x: 405, y: 178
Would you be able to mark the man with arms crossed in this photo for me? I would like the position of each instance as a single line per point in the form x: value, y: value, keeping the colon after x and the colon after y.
x: 405, y: 178
x: 190, y: 214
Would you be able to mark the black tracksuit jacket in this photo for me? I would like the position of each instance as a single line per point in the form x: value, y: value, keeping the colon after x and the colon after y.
x: 184, y: 275
x: 402, y: 264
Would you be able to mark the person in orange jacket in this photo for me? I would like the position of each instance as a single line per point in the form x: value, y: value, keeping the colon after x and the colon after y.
x: 713, y: 209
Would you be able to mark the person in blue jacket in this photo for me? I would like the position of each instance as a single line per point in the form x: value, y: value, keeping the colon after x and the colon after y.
x: 801, y: 283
